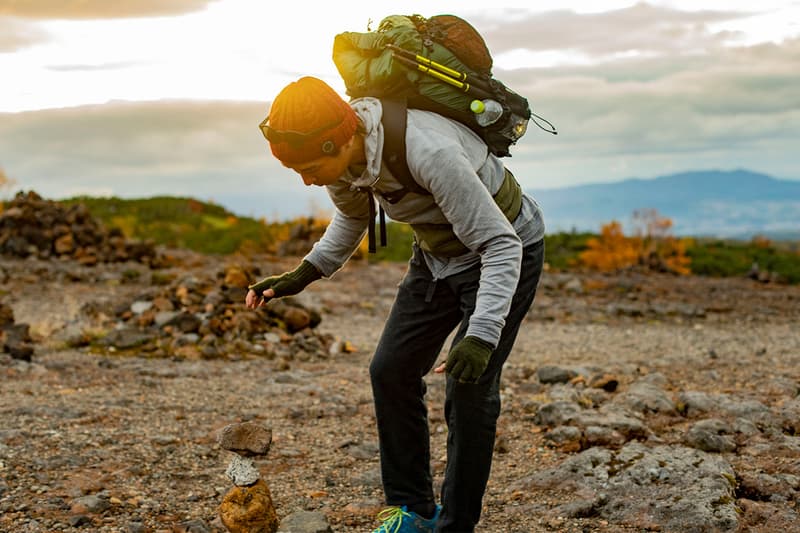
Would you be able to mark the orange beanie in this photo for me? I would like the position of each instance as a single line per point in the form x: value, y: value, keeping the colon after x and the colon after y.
x: 307, y: 120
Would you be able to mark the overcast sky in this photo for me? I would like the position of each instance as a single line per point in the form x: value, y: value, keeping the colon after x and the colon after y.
x: 146, y: 97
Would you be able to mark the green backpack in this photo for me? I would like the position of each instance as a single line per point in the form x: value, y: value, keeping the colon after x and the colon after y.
x: 439, y: 64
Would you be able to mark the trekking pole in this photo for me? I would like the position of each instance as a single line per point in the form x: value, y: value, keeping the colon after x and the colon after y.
x: 460, y: 76
x: 462, y: 85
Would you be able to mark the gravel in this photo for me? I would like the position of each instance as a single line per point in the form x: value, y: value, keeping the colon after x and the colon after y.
x: 100, y: 442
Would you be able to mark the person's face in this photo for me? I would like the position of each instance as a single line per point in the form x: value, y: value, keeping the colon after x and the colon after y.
x: 326, y: 169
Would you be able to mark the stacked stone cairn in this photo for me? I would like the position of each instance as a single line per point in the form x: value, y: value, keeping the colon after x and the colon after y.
x: 247, y: 507
x: 31, y: 226
x: 204, y: 317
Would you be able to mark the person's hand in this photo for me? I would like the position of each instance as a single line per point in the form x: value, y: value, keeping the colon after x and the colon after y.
x: 253, y: 299
x: 286, y: 284
x: 467, y: 360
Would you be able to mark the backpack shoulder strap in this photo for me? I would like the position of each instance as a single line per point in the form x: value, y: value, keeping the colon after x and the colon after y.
x: 394, y: 117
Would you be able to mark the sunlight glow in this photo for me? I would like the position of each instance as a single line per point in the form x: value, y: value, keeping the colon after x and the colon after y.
x: 248, y: 49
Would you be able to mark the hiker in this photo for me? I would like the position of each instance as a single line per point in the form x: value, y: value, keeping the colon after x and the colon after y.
x: 475, y: 267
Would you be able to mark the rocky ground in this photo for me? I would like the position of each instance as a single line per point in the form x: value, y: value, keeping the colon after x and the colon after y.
x: 632, y: 402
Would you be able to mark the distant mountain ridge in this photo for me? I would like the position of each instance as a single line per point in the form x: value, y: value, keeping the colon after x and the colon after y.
x: 738, y: 203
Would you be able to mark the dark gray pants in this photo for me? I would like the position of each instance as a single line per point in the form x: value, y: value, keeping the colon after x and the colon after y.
x: 423, y: 315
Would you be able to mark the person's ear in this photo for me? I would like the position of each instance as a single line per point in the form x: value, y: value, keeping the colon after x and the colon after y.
x: 349, y: 147
x: 349, y: 144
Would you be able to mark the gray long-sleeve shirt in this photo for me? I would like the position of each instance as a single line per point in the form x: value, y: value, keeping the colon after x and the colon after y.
x: 454, y: 164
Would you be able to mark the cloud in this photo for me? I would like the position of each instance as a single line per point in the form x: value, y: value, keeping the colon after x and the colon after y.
x: 16, y: 34
x: 723, y: 100
x: 98, y: 9
x: 211, y: 150
x: 643, y: 28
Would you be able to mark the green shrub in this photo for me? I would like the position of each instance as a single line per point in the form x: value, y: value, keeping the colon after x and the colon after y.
x: 183, y: 223
x: 399, y: 240
x: 562, y: 249
x: 735, y: 258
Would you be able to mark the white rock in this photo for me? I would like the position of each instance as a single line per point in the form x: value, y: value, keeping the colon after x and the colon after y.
x: 274, y: 338
x: 140, y: 307
x: 242, y: 471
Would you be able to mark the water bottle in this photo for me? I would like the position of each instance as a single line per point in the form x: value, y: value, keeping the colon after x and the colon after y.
x: 486, y: 111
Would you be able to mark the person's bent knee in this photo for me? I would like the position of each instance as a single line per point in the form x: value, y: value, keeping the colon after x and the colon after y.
x: 382, y: 371
x: 387, y: 371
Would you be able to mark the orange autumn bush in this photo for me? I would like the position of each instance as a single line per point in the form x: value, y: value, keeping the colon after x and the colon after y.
x: 651, y: 246
x: 612, y: 250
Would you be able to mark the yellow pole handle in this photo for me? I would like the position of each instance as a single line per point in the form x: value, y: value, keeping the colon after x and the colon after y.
x: 434, y: 73
x: 447, y: 70
x: 444, y: 77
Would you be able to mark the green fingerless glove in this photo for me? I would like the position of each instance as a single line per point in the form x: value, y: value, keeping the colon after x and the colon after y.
x: 468, y: 359
x: 288, y: 283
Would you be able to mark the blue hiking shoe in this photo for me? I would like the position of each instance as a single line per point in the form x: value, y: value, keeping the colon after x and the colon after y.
x: 401, y: 520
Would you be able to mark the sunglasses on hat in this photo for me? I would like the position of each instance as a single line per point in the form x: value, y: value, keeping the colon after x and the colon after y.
x: 295, y: 139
